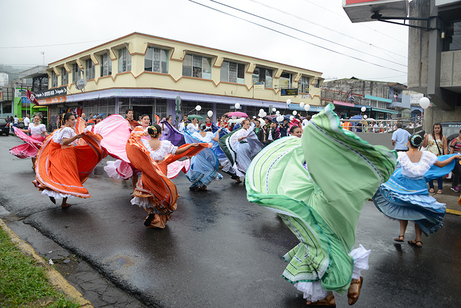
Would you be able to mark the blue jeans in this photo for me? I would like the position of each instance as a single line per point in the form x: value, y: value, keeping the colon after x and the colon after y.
x: 439, y: 183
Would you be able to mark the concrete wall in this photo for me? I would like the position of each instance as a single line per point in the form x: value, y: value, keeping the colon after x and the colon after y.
x: 450, y: 72
x: 450, y: 75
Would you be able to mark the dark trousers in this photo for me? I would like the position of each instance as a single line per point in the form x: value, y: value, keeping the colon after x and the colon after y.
x: 456, y: 174
x: 439, y: 183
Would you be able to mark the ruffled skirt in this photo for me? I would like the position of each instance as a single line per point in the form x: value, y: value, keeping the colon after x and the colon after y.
x: 313, y: 291
x: 403, y: 198
x: 318, y: 185
x: 61, y: 172
x: 31, y: 146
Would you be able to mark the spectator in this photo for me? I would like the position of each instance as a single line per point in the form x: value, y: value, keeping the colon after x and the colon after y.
x: 436, y: 143
x: 272, y: 133
x: 284, y: 128
x: 455, y: 147
x: 208, y: 122
x: 400, y: 138
x: 183, y: 123
x: 306, y: 121
x: 26, y: 122
x: 15, y: 121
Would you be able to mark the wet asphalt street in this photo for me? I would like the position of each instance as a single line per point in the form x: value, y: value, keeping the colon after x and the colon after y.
x: 219, y: 250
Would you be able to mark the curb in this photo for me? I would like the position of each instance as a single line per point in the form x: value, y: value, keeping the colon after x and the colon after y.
x: 454, y: 212
x: 54, y: 277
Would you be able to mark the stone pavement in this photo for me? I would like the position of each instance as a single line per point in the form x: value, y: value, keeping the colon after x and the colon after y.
x: 87, y: 286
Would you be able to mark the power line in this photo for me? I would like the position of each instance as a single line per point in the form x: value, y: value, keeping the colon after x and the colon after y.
x: 342, y: 16
x: 52, y: 45
x: 333, y: 30
x: 294, y: 37
x: 304, y: 32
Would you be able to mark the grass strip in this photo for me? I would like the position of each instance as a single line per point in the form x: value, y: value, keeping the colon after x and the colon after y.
x: 23, y: 281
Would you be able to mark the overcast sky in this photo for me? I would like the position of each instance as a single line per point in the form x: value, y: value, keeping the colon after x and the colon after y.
x: 310, y: 34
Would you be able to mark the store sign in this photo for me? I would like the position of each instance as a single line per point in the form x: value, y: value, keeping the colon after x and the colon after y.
x: 50, y: 93
x: 289, y: 92
x: 259, y: 86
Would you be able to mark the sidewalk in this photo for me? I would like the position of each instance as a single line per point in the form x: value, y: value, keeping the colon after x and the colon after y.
x: 70, y: 274
x: 449, y: 197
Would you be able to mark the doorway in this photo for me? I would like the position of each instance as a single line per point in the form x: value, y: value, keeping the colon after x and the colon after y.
x: 140, y: 110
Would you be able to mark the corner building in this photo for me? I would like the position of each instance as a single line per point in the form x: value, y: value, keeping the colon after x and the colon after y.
x: 149, y: 74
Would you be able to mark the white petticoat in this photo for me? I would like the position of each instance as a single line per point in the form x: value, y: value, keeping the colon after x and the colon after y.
x: 118, y: 170
x: 142, y: 202
x: 313, y: 291
x: 55, y: 194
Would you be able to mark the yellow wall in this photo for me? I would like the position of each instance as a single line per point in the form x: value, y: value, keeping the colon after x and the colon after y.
x: 137, y: 45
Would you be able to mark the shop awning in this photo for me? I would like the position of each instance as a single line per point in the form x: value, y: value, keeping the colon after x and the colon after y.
x: 339, y: 103
x: 385, y: 110
x: 360, y: 107
x: 379, y: 99
x: 186, y: 96
x: 311, y: 109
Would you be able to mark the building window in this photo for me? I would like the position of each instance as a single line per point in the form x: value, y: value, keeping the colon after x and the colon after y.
x: 261, y: 74
x: 303, y: 85
x: 196, y: 66
x: 156, y: 60
x: 285, y: 81
x: 54, y: 80
x: 452, y: 39
x: 124, y: 60
x: 89, y: 69
x: 64, y: 76
x: 76, y: 72
x: 106, y: 65
x: 233, y: 72
x: 317, y: 83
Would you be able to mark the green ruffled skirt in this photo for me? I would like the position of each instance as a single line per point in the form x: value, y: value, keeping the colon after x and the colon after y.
x: 318, y: 184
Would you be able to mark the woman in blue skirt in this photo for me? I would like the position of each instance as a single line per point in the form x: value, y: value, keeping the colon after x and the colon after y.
x: 405, y: 196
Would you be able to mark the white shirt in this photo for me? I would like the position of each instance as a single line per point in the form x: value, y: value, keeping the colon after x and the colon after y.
x: 207, y: 139
x: 37, y: 129
x: 305, y: 122
x: 181, y: 126
x: 416, y: 170
x: 165, y: 148
x: 26, y: 122
x: 192, y: 128
x: 65, y: 132
x: 16, y: 120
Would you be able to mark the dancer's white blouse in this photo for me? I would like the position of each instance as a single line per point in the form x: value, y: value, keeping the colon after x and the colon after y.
x: 37, y: 130
x: 416, y: 170
x: 208, y: 137
x: 193, y: 128
x: 66, y: 132
x: 166, y: 147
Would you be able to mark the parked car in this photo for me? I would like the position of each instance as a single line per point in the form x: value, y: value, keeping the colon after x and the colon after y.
x: 4, y: 127
x: 451, y: 130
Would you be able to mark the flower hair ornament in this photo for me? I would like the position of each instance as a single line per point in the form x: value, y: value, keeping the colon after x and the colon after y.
x: 154, y: 131
x: 414, y: 142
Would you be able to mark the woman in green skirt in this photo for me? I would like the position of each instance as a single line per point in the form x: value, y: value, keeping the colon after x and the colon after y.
x: 318, y: 185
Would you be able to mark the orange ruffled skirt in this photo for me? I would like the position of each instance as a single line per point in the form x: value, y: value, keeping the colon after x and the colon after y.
x: 61, y: 171
x: 154, y: 183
